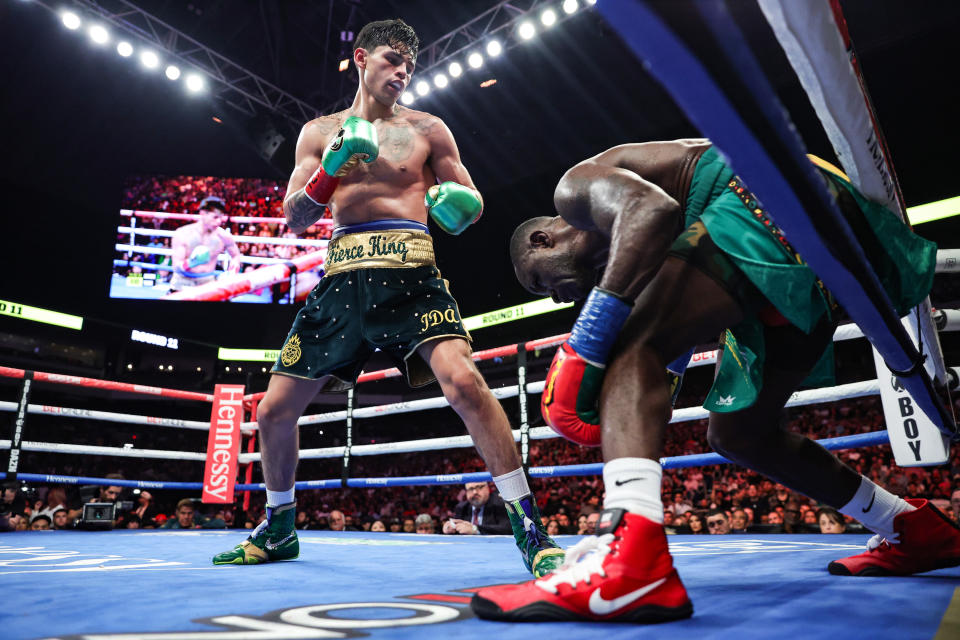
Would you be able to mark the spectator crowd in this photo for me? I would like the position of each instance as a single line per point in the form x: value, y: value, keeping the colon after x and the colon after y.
x: 700, y: 500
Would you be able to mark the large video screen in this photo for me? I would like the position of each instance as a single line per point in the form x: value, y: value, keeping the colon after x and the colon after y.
x: 216, y: 239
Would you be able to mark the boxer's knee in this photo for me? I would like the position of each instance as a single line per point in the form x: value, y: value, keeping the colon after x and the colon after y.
x: 463, y: 386
x: 734, y: 439
x: 274, y: 416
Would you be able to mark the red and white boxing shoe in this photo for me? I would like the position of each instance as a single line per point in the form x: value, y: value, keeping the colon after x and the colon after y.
x: 927, y: 541
x: 623, y: 574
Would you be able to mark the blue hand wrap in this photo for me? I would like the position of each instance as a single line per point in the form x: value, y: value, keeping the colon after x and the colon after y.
x: 679, y: 366
x: 598, y: 326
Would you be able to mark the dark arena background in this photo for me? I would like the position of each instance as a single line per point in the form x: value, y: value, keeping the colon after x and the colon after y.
x: 105, y: 388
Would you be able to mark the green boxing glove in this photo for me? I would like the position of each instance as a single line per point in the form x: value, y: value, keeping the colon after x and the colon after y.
x: 356, y: 141
x: 453, y: 206
x: 199, y: 255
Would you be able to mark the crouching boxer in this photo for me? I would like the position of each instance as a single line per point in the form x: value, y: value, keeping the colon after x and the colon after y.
x: 382, y: 170
x: 686, y: 254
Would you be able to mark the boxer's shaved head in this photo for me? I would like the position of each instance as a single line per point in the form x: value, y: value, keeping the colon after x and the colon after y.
x: 552, y: 258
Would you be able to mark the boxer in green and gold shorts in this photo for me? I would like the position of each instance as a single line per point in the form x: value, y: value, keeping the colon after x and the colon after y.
x: 381, y: 290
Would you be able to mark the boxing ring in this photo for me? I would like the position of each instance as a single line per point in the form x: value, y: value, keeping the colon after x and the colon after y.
x: 160, y: 584
x: 388, y: 584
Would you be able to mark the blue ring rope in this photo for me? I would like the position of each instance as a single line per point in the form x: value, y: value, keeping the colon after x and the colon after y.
x: 871, y: 439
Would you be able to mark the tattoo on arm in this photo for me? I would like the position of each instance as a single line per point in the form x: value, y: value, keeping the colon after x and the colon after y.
x: 327, y: 126
x: 301, y: 211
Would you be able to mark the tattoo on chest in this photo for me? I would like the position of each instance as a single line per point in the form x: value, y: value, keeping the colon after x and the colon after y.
x: 396, y: 142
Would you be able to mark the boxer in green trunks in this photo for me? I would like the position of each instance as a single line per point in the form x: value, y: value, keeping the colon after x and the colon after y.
x: 381, y: 169
x: 674, y: 251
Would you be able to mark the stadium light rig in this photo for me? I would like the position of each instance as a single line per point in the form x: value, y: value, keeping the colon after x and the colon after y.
x: 523, y: 29
x: 149, y: 59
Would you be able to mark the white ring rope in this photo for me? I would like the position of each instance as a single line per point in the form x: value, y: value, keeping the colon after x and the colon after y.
x: 136, y: 248
x: 799, y: 398
x: 948, y: 260
x: 162, y: 215
x: 128, y: 452
x: 848, y: 331
x: 108, y: 416
x: 293, y: 242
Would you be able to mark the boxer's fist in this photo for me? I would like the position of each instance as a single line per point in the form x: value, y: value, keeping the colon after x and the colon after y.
x: 199, y: 255
x: 356, y: 141
x: 570, y: 400
x: 453, y: 206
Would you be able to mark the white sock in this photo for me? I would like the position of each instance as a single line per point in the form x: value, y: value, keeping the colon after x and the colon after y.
x: 277, y: 498
x: 875, y: 508
x: 634, y: 484
x: 513, y: 485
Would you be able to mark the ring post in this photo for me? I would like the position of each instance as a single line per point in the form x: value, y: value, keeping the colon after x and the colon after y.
x: 13, y: 461
x: 251, y: 447
x: 345, y: 474
x: 522, y: 397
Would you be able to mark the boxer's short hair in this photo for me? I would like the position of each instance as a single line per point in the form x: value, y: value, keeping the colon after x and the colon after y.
x: 395, y: 33
x: 211, y: 203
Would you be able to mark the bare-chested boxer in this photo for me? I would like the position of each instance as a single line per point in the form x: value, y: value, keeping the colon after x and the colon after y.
x: 671, y: 250
x: 197, y: 246
x: 382, y: 169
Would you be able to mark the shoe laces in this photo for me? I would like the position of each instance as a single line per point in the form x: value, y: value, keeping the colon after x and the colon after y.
x: 260, y: 528
x: 583, y: 561
x: 879, y: 540
x: 533, y: 533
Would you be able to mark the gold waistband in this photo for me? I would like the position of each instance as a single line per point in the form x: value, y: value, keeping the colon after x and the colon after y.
x: 379, y: 250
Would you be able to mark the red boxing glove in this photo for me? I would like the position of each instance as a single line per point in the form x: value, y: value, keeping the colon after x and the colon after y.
x: 570, y: 397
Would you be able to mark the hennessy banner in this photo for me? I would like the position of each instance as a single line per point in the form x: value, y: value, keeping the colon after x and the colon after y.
x: 223, y: 445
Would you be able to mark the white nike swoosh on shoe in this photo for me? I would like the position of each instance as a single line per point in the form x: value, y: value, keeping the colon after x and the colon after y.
x: 273, y: 546
x: 601, y: 606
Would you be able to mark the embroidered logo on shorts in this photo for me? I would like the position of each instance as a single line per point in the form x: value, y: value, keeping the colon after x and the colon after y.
x: 291, y: 351
x: 434, y: 317
x: 725, y: 401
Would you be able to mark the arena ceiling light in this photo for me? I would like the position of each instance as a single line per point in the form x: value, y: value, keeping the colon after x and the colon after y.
x: 494, y: 48
x: 149, y: 59
x: 99, y: 34
x: 195, y: 83
x: 548, y: 17
x: 172, y: 72
x: 125, y: 49
x: 569, y: 6
x: 422, y: 88
x: 407, y: 97
x: 70, y: 20
x: 526, y: 30
x: 455, y: 70
x: 475, y: 60
x: 440, y: 81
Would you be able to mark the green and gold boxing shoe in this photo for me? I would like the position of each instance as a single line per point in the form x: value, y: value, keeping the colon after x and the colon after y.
x: 540, y: 553
x: 273, y: 539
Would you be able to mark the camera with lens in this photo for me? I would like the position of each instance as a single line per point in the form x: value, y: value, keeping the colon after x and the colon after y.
x: 97, y: 516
